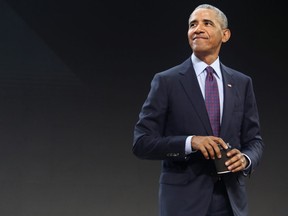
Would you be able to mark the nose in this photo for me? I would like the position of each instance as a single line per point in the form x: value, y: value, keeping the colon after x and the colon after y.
x: 198, y: 28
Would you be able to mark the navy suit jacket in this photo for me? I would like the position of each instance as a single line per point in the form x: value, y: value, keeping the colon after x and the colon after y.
x: 175, y: 109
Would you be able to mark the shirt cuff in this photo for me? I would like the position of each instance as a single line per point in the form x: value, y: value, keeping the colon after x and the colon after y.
x: 248, y: 166
x: 188, y: 146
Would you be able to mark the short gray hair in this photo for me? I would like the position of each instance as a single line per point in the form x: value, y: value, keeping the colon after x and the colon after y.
x: 221, y: 16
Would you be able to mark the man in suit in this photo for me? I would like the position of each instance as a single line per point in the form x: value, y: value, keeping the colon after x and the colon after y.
x: 174, y: 126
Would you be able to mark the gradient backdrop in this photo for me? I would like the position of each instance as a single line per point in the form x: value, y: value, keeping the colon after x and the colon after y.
x: 73, y: 77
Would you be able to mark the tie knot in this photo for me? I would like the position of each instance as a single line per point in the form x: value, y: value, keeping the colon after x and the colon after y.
x: 209, y: 70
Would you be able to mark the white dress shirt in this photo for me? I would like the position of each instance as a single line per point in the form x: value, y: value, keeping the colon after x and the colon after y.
x: 199, y: 67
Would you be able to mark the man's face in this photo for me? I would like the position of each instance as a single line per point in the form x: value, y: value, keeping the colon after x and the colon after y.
x: 205, y: 33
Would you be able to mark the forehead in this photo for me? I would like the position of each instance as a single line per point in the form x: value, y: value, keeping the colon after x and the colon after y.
x: 203, y: 14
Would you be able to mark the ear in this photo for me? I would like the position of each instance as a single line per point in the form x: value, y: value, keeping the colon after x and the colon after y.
x: 226, y: 35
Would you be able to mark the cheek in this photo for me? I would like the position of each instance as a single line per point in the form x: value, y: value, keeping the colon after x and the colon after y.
x: 189, y: 35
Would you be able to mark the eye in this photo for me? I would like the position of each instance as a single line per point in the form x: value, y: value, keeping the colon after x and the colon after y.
x: 208, y: 23
x: 192, y: 24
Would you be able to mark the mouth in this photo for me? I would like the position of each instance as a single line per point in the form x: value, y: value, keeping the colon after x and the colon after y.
x: 198, y: 37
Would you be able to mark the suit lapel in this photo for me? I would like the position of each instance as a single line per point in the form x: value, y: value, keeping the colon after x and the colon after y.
x: 190, y: 84
x: 229, y: 89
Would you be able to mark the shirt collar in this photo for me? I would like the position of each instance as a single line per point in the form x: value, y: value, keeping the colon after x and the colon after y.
x: 199, y: 66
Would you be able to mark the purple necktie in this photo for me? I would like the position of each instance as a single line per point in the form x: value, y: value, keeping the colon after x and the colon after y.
x: 212, y: 101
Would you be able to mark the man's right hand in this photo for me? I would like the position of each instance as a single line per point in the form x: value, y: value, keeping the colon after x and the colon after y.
x: 208, y: 145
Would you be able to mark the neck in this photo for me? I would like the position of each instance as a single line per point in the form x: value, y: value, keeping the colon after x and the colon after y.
x: 208, y: 59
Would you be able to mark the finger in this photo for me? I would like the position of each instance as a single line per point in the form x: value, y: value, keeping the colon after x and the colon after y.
x: 234, y: 156
x: 203, y: 149
x: 219, y: 151
x: 204, y: 152
x: 237, y: 168
x: 208, y: 151
x: 211, y: 150
x: 216, y: 147
x: 237, y: 163
x: 243, y: 161
x: 222, y: 143
x: 231, y: 153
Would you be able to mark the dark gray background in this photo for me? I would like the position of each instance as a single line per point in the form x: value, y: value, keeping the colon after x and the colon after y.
x: 73, y: 77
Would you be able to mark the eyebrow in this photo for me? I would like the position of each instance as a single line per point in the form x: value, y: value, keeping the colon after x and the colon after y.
x: 204, y: 20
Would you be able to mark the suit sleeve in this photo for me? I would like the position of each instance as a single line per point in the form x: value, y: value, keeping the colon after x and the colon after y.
x: 251, y: 141
x: 149, y: 140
